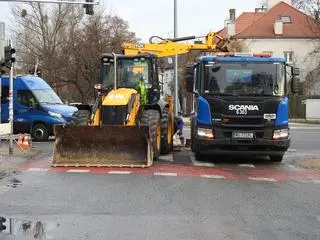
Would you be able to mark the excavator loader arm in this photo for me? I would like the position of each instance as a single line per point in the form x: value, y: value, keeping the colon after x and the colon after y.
x: 170, y: 47
x: 106, y: 143
x: 102, y: 146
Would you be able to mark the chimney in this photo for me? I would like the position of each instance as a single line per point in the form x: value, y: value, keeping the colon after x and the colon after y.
x: 232, y: 14
x: 272, y: 3
x: 278, y: 27
x: 2, y: 31
x: 231, y: 29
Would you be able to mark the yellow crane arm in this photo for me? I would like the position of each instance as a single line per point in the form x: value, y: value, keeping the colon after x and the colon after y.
x: 169, y: 47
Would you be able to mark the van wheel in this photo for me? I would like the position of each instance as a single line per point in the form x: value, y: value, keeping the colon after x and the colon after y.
x: 40, y: 133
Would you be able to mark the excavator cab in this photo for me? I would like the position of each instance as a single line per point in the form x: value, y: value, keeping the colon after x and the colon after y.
x: 130, y: 126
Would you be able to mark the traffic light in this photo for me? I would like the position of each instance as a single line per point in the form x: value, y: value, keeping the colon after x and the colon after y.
x: 2, y: 227
x: 89, y: 7
x: 8, y: 58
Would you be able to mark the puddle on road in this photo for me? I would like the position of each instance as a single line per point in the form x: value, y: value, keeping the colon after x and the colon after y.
x: 29, y: 229
x: 13, y: 182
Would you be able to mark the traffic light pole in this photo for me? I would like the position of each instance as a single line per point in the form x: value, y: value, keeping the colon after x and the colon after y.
x: 11, y: 110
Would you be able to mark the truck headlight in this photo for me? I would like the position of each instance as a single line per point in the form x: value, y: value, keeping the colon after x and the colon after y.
x: 54, y: 114
x: 281, y: 133
x: 205, y: 132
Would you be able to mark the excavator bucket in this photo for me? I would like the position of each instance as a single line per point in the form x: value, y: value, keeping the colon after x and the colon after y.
x: 102, y: 146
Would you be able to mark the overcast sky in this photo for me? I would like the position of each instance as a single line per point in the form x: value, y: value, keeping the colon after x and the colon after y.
x: 155, y: 17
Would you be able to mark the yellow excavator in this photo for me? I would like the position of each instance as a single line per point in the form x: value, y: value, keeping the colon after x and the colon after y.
x: 132, y: 121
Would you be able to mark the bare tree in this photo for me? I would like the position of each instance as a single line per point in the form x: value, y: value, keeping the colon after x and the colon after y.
x: 68, y: 43
x: 311, y: 7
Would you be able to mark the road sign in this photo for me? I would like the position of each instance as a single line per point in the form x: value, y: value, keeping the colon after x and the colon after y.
x: 5, y: 129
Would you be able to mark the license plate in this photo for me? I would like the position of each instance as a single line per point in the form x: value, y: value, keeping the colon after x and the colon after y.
x: 243, y: 135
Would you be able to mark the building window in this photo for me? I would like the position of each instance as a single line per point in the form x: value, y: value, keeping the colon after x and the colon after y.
x: 288, y: 55
x: 285, y: 19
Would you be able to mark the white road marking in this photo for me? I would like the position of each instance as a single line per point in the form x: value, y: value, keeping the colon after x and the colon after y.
x: 78, y: 170
x: 119, y: 172
x: 262, y: 179
x: 246, y: 165
x: 316, y: 181
x: 293, y: 168
x: 168, y: 158
x: 165, y: 174
x: 292, y: 150
x: 213, y: 176
x: 200, y: 164
x: 37, y: 169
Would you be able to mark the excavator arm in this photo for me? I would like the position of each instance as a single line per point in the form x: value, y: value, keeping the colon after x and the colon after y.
x: 170, y: 47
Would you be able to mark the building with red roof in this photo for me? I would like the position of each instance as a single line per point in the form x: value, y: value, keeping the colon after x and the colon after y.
x: 282, y: 30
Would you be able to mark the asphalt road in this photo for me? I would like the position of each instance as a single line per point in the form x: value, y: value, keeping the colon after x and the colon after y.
x: 82, y: 205
x: 78, y: 206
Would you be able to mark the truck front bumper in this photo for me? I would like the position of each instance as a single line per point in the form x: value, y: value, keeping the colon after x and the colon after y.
x: 254, y: 147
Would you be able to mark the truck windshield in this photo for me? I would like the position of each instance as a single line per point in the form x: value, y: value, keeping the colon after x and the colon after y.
x: 244, y: 79
x: 129, y: 72
x: 46, y: 96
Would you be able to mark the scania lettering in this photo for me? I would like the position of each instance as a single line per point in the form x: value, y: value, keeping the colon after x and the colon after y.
x: 244, y: 107
x: 241, y: 104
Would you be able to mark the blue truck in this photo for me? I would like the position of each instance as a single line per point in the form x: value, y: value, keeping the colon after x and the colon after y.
x: 37, y: 108
x: 241, y: 104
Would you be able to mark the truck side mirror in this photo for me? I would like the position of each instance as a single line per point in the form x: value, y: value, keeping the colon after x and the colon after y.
x: 189, y: 72
x: 295, y: 71
x: 295, y: 84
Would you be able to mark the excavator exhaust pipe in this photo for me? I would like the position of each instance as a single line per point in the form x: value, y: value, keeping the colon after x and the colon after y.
x: 102, y: 146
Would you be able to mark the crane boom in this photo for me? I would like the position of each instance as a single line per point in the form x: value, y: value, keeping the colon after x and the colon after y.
x: 170, y: 47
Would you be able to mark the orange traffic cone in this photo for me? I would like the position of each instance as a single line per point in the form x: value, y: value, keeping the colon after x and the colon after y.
x: 25, y: 143
x: 20, y: 143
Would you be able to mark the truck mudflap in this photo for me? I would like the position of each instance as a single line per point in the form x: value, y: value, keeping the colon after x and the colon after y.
x: 102, y: 146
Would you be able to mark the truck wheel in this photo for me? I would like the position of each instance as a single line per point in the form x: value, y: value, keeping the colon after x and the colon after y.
x: 39, y: 133
x: 166, y: 133
x: 152, y: 119
x: 199, y: 156
x: 276, y: 158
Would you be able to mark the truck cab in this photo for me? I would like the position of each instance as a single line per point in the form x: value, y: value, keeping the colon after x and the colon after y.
x: 36, y: 107
x: 241, y: 104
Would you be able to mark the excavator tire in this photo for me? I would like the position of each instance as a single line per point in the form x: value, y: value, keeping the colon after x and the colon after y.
x: 166, y: 133
x: 151, y: 118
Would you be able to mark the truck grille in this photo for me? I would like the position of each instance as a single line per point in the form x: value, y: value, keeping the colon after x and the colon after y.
x: 114, y: 115
x: 238, y: 121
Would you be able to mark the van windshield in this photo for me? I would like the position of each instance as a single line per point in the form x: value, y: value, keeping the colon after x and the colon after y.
x: 46, y: 96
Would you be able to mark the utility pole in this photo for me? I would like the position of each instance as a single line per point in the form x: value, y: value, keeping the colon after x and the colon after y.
x: 11, y: 110
x: 176, y: 85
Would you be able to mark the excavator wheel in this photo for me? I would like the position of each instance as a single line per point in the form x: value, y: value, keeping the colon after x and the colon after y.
x: 151, y: 118
x: 166, y: 133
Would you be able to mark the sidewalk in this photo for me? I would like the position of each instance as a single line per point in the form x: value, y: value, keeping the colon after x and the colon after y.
x: 9, y: 162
